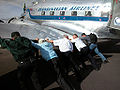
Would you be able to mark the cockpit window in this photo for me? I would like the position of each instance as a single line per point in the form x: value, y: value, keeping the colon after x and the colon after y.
x: 62, y: 13
x: 74, y: 13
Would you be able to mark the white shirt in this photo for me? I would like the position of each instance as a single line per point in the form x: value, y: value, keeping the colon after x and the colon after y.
x: 64, y: 44
x: 78, y: 43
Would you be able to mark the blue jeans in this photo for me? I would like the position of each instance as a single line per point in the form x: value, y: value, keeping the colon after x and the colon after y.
x: 97, y: 51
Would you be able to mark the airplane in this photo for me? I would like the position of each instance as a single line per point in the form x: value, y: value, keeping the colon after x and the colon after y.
x: 78, y: 16
x: 73, y: 11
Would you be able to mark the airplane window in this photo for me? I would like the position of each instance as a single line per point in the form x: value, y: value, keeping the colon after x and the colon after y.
x: 104, y: 14
x: 43, y: 13
x: 88, y: 13
x: 74, y: 13
x: 62, y: 13
x: 51, y: 12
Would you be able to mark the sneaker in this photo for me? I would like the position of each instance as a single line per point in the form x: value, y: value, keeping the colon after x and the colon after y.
x: 106, y: 61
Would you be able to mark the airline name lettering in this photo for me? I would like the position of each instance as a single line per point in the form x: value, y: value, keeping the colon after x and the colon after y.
x: 72, y: 8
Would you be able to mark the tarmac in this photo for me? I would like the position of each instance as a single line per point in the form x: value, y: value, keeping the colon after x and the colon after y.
x: 107, y: 78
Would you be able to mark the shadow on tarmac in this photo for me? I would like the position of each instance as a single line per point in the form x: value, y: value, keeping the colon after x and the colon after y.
x: 47, y: 76
x: 109, y: 46
x: 10, y: 82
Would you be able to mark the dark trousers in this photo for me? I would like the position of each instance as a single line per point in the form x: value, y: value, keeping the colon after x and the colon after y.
x: 85, y: 52
x: 27, y: 76
x: 68, y: 60
x: 60, y: 79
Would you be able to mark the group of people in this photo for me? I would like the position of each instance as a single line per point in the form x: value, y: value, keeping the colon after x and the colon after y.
x: 22, y: 50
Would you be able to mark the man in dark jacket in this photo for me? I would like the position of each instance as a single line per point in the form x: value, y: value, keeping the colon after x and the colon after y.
x: 91, y: 41
x: 21, y: 49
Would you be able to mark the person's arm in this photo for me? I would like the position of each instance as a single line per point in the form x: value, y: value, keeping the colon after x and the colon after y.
x: 26, y: 42
x: 51, y: 41
x: 23, y: 41
x: 57, y: 42
x: 85, y: 40
x: 4, y: 43
x: 70, y: 45
x: 36, y: 45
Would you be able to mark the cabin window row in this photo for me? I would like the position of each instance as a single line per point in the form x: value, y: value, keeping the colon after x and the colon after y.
x: 62, y: 13
x: 75, y: 13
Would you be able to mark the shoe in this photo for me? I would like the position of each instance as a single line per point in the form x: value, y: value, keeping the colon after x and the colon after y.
x: 106, y: 61
x: 97, y: 69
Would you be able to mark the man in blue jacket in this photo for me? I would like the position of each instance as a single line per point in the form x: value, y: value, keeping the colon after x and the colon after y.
x: 47, y: 53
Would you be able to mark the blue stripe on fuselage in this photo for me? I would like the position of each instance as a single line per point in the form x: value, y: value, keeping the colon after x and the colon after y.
x: 72, y: 18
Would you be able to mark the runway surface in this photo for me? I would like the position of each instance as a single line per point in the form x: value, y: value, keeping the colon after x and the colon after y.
x: 107, y: 78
